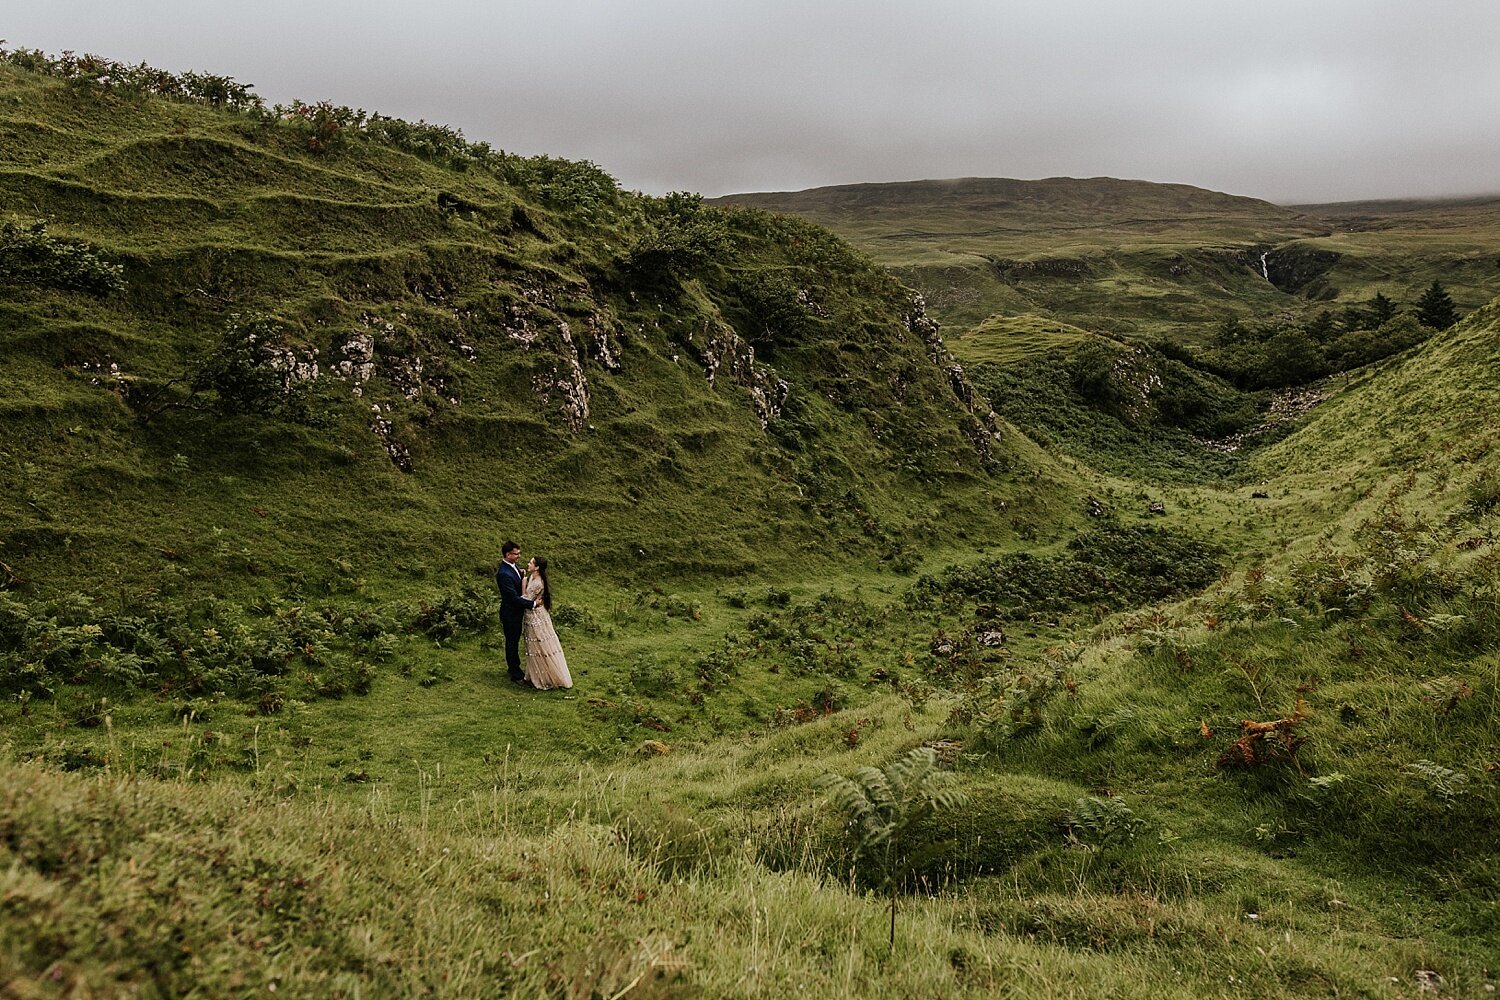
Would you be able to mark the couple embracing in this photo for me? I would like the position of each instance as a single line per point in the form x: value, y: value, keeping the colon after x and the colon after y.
x: 525, y: 608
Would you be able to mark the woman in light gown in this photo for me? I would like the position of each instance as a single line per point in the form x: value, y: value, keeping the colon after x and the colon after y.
x: 546, y: 667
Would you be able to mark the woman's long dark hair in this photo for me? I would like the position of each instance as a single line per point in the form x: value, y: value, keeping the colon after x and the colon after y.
x: 541, y: 571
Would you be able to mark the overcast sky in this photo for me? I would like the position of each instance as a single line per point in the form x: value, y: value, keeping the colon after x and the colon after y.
x: 1313, y: 100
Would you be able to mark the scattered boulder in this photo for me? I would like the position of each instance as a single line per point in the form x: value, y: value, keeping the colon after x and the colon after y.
x: 990, y: 637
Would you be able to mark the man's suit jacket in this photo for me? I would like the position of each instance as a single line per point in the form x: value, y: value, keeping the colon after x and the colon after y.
x: 513, y: 606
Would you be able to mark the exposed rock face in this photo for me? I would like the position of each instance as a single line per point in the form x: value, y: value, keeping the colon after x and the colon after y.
x: 983, y: 426
x: 520, y: 328
x: 406, y: 375
x: 292, y: 368
x: 566, y: 383
x: 358, y: 362
x: 283, y: 360
x: 1286, y: 406
x: 399, y: 454
x: 810, y: 303
x: 726, y: 353
x: 1136, y: 378
x: 606, y: 346
x: 1293, y: 268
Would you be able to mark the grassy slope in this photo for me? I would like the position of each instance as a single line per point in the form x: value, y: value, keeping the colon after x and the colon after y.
x: 1125, y: 256
x: 1148, y: 259
x: 446, y: 833
x: 1399, y: 247
x: 215, y: 215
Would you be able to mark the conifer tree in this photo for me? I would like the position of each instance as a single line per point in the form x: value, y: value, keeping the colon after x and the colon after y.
x: 1382, y: 310
x: 1322, y: 327
x: 1435, y: 308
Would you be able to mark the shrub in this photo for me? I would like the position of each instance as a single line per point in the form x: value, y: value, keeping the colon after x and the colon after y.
x: 648, y: 677
x: 96, y: 71
x: 771, y: 309
x: 881, y: 806
x: 1114, y: 566
x: 251, y: 370
x: 576, y: 185
x: 1100, y: 821
x: 683, y: 236
x: 29, y: 256
x: 573, y: 616
x: 1262, y: 742
x: 323, y: 125
x: 467, y: 610
x: 1003, y: 706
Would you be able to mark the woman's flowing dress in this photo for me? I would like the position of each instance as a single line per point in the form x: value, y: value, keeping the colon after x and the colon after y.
x: 546, y: 666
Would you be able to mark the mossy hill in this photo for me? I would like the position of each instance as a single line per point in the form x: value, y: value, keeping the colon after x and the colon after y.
x: 1189, y: 723
x: 1149, y: 260
x: 480, y: 347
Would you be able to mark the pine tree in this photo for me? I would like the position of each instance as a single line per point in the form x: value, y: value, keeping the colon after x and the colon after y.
x: 1435, y: 308
x: 1382, y: 310
x: 1322, y: 327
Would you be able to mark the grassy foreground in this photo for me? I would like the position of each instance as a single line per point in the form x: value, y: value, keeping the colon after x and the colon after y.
x: 546, y: 888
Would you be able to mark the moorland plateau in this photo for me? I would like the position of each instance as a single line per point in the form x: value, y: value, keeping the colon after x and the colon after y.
x: 1149, y: 606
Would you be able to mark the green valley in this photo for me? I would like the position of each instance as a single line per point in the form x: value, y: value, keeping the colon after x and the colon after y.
x: 1134, y: 632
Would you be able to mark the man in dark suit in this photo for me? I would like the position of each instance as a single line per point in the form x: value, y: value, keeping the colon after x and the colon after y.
x: 513, y: 608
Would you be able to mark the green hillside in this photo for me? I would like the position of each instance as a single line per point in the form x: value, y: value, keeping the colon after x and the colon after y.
x: 1149, y: 260
x: 880, y: 691
x: 1111, y: 255
x: 516, y: 347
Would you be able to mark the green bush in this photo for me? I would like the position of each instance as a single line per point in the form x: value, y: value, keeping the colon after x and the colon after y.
x: 251, y: 370
x: 683, y: 236
x: 770, y: 308
x: 1114, y: 566
x: 29, y: 256
x: 1101, y: 821
x: 323, y: 125
x: 265, y: 655
x: 468, y: 610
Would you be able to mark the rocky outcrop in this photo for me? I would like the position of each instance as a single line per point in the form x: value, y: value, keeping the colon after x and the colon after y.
x: 1286, y: 407
x: 725, y: 354
x: 1293, y: 268
x: 605, y: 345
x: 357, y: 362
x: 982, y: 426
x: 385, y: 430
x: 566, y: 384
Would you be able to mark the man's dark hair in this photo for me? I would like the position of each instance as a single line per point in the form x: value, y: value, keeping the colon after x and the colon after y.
x: 508, y: 548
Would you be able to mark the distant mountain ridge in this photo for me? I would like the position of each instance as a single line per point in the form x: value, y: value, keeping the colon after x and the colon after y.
x: 1025, y: 205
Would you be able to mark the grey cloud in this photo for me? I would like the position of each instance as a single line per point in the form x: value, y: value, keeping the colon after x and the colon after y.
x: 1287, y: 100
